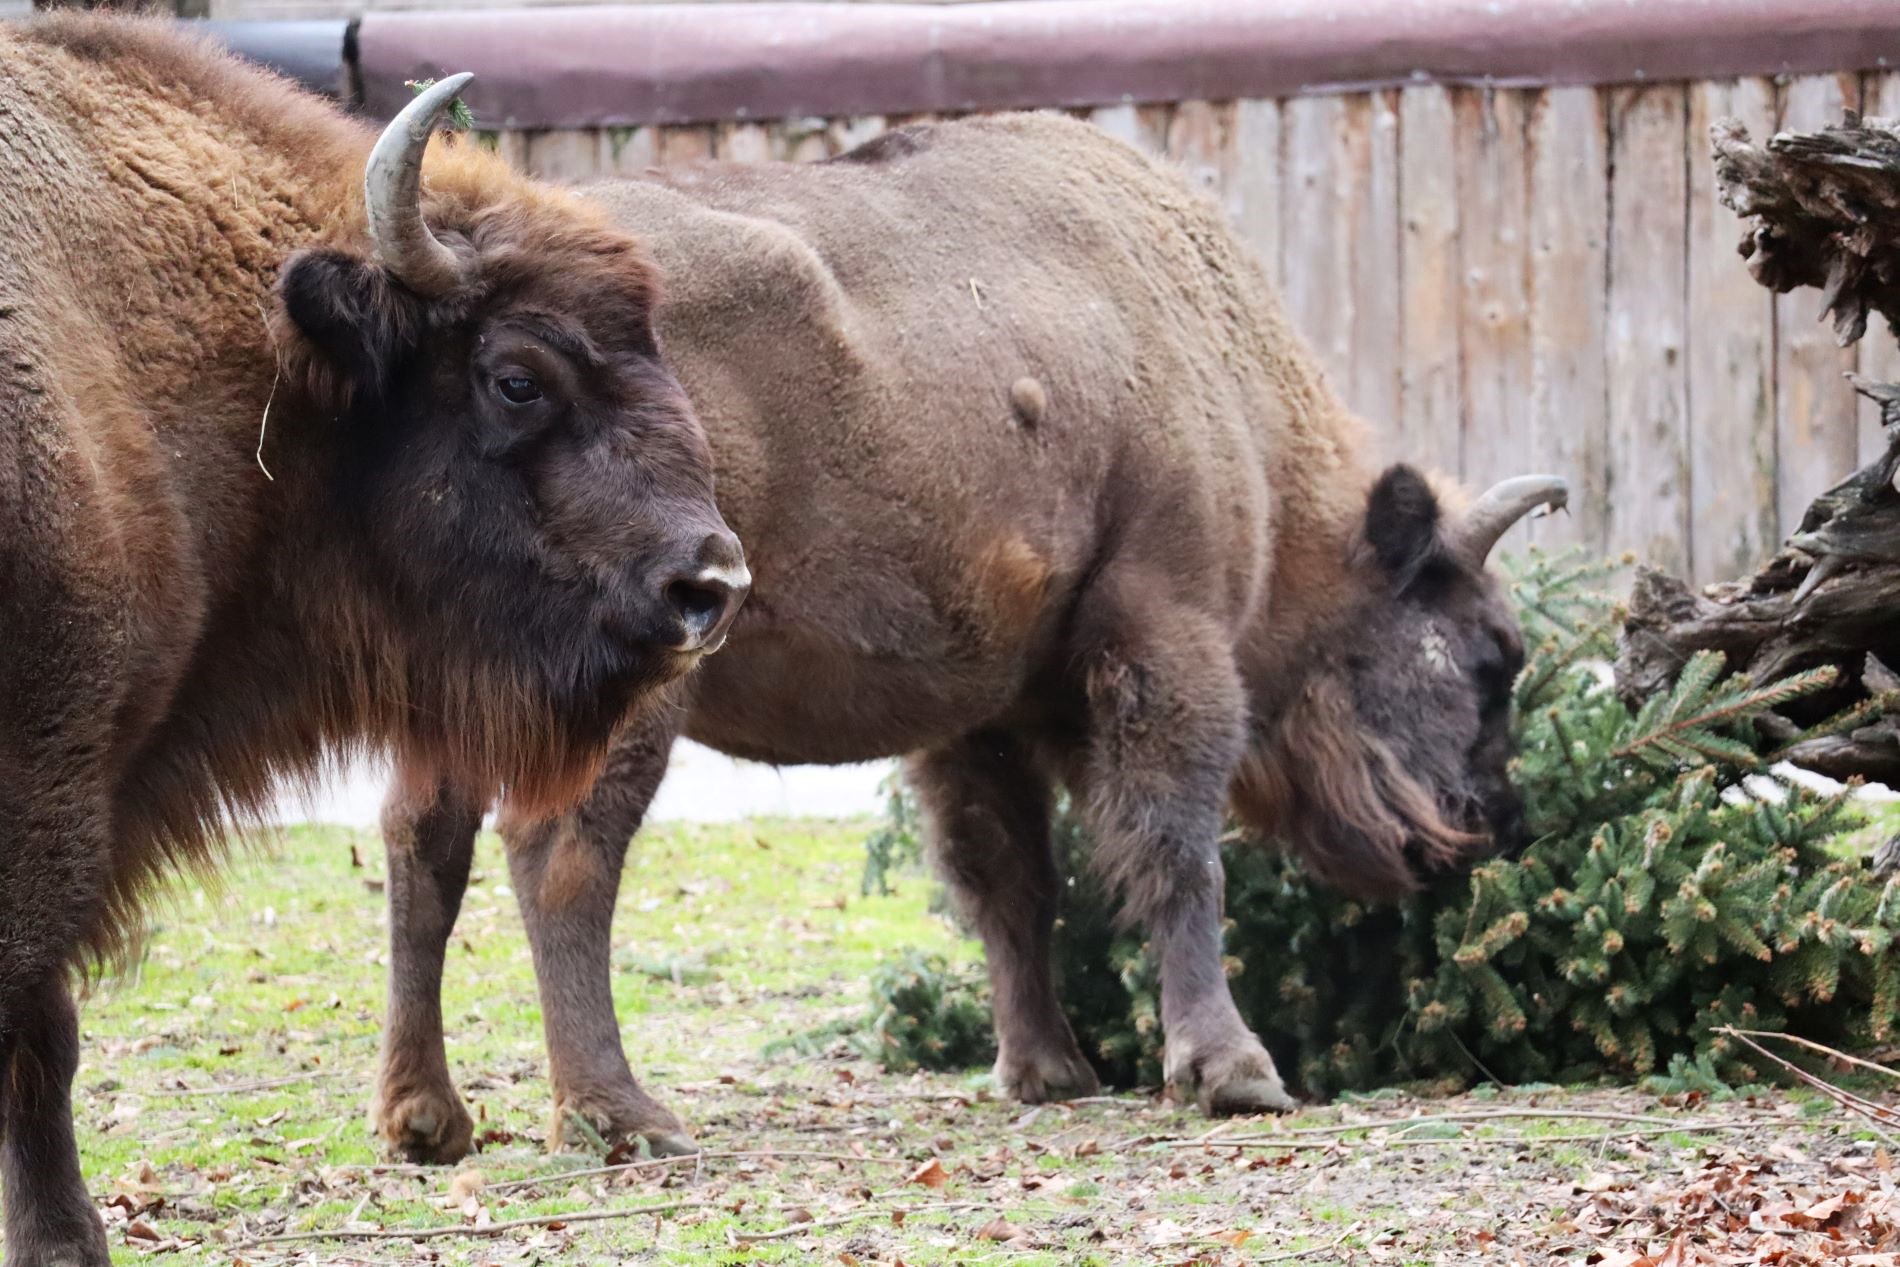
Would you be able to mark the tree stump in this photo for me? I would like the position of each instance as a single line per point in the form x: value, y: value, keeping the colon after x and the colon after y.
x: 1823, y: 209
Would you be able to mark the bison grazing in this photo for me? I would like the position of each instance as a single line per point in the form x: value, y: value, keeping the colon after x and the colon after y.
x: 294, y: 457
x: 1041, y: 490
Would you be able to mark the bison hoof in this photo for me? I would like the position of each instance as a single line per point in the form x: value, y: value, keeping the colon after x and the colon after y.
x: 620, y: 1119
x: 1228, y: 1080
x: 428, y: 1126
x: 77, y: 1240
x: 75, y: 1255
x: 1041, y: 1076
x: 64, y: 1256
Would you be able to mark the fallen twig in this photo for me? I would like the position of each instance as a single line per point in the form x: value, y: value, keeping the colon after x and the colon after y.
x: 1280, y: 1143
x: 657, y: 1163
x: 1410, y: 1123
x: 1877, y: 1113
x: 1290, y: 1255
x: 1703, y: 1128
x: 471, y: 1230
x: 268, y: 1084
x: 1811, y: 1045
x: 869, y: 1212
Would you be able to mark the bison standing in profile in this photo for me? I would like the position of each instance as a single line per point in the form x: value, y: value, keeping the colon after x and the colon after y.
x: 1040, y: 490
x: 293, y: 458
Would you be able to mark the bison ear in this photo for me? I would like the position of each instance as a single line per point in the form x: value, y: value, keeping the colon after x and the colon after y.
x: 355, y: 320
x: 1403, y: 524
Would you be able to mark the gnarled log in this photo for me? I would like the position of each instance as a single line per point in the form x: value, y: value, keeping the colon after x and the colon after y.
x: 1823, y: 210
x: 1824, y: 207
x: 1830, y: 596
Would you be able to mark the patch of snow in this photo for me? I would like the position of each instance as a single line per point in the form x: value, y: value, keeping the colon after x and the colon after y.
x: 701, y: 786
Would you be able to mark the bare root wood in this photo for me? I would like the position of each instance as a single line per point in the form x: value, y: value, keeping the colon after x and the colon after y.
x: 1828, y: 598
x: 1823, y: 208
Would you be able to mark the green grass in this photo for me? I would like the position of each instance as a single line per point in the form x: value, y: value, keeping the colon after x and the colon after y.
x: 276, y: 971
x: 727, y: 939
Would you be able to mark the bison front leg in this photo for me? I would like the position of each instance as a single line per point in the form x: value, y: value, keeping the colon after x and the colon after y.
x: 567, y: 876
x: 50, y: 1221
x: 1166, y: 718
x: 989, y: 813
x: 429, y: 837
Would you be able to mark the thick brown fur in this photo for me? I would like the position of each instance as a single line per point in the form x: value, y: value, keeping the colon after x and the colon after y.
x: 260, y: 503
x: 1040, y: 487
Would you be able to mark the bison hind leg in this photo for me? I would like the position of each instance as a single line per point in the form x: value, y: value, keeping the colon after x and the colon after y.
x: 988, y: 808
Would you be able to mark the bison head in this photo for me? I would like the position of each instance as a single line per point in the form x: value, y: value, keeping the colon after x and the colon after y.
x: 1392, y: 761
x: 524, y: 494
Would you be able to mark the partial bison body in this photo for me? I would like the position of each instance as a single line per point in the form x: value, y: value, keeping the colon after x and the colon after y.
x: 292, y: 458
x: 1040, y: 490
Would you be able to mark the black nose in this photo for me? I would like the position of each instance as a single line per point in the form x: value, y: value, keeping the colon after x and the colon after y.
x: 706, y: 596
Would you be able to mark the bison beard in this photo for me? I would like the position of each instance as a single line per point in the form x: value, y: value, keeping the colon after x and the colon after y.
x: 294, y: 459
x: 1042, y: 491
x: 1343, y: 800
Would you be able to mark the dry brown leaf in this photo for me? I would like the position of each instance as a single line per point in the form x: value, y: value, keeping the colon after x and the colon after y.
x: 466, y: 1184
x: 1000, y: 1229
x: 1822, y: 1211
x: 931, y: 1174
x: 1677, y: 1255
x: 1236, y: 1238
x: 1621, y: 1258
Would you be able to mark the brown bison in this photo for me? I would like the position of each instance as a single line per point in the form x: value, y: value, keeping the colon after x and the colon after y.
x: 1041, y: 490
x: 292, y: 458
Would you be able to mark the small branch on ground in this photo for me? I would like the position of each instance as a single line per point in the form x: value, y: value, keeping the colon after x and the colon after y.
x: 1290, y: 1255
x: 1279, y: 1143
x: 1819, y: 1048
x: 1879, y: 1114
x: 1411, y: 1123
x: 869, y: 1212
x: 471, y: 1230
x: 244, y: 1088
x: 660, y: 1163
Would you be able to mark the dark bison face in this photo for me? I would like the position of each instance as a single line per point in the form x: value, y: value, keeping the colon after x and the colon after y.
x: 526, y: 465
x: 1399, y: 745
x: 523, y: 482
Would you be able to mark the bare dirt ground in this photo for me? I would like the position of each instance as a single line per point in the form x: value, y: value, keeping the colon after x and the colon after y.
x: 222, y: 1111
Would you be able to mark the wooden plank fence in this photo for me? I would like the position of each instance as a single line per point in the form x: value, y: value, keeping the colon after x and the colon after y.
x: 1500, y: 279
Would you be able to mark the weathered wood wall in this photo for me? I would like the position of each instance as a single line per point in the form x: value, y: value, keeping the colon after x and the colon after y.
x: 1501, y: 280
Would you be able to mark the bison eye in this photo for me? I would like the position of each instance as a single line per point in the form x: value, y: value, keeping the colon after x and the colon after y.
x: 518, y: 389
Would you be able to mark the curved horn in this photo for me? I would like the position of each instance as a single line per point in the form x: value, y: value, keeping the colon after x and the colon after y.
x: 392, y: 193
x: 1502, y: 505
